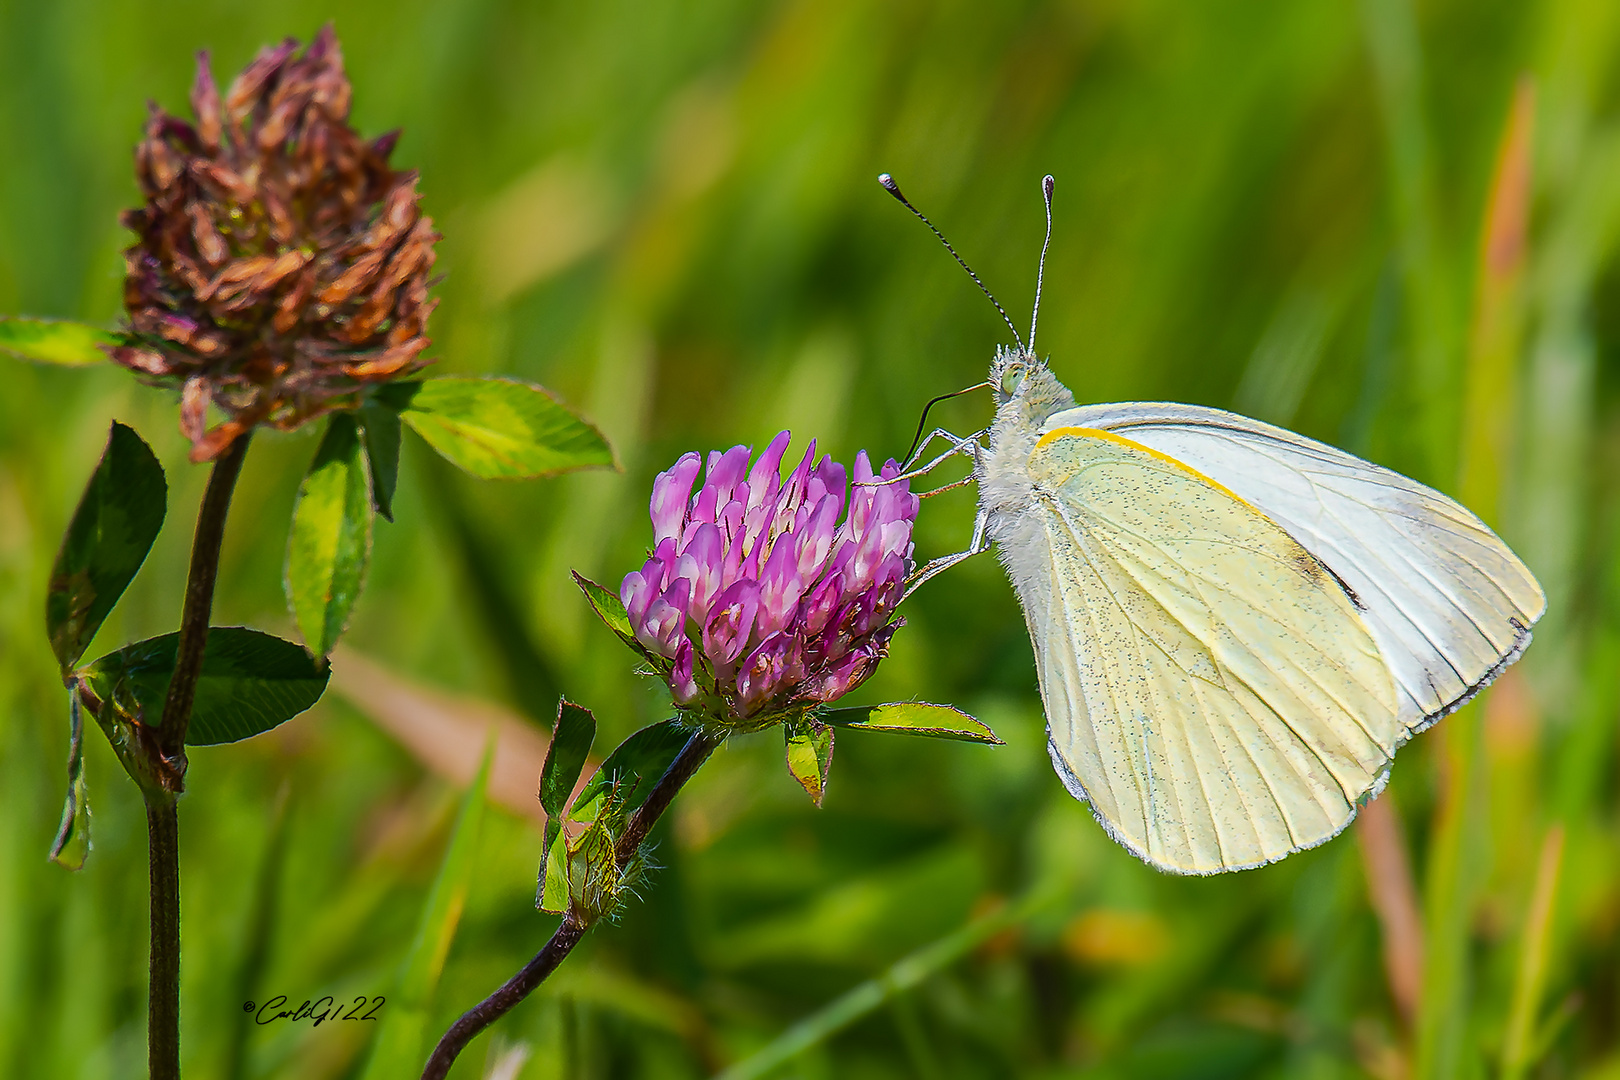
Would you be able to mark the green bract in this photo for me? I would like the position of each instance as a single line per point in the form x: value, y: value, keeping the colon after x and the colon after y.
x: 914, y: 718
x: 582, y: 868
x: 809, y: 755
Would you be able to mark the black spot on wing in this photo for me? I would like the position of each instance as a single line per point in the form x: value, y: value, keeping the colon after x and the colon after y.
x: 1343, y: 584
x: 1314, y: 570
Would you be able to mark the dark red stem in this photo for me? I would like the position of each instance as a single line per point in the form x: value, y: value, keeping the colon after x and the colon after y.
x: 162, y: 816
x: 519, y: 986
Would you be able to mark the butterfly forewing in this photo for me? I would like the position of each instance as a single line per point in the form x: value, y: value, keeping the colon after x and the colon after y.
x: 1448, y: 603
x: 1209, y: 687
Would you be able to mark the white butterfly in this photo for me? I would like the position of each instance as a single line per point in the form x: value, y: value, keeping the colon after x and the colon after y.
x: 1235, y: 627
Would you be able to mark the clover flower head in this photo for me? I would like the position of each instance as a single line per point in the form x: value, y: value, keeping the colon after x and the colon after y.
x: 282, y: 263
x: 765, y: 596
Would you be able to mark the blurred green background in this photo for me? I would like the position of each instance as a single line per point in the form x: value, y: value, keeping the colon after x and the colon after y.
x: 667, y: 212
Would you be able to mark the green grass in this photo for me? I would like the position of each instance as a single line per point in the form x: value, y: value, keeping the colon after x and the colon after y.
x: 667, y: 213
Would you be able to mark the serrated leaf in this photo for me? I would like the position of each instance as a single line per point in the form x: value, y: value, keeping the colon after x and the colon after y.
x: 610, y: 609
x: 250, y: 682
x: 499, y: 428
x: 398, y: 1050
x: 913, y: 718
x: 571, y: 740
x: 380, y: 428
x: 55, y: 341
x: 636, y: 765
x: 112, y: 530
x: 809, y: 756
x: 330, y: 541
x: 72, y: 844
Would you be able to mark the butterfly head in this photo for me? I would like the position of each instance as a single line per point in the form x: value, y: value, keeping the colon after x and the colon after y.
x: 1025, y: 387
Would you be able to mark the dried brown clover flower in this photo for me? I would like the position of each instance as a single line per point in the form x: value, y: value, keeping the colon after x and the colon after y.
x: 282, y: 263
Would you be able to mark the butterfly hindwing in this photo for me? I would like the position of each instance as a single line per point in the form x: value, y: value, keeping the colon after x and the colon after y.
x: 1210, y: 688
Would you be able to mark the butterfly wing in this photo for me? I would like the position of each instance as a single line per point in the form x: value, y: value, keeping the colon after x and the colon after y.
x: 1447, y: 602
x: 1210, y: 689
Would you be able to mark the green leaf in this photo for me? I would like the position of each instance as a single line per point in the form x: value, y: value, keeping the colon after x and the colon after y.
x: 499, y: 428
x: 913, y: 718
x: 636, y: 765
x: 72, y: 843
x: 398, y: 1050
x: 571, y: 740
x: 55, y: 341
x: 118, y: 517
x: 809, y: 756
x: 250, y: 683
x: 380, y: 429
x: 553, y: 896
x: 610, y: 610
x: 331, y: 538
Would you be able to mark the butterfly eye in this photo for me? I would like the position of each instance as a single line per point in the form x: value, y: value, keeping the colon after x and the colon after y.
x: 1011, y: 380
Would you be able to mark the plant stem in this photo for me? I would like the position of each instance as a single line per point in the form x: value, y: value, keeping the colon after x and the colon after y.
x: 686, y: 764
x: 199, y: 604
x: 519, y: 986
x: 162, y: 815
x: 163, y: 999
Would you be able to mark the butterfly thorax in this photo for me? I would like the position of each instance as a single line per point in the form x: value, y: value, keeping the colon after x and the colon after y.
x: 1027, y: 393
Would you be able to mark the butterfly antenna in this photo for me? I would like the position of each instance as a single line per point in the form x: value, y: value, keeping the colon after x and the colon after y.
x: 1047, y: 184
x: 894, y: 189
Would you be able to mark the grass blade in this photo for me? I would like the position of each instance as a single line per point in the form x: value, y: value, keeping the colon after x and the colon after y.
x: 398, y: 1051
x: 260, y: 930
x: 871, y: 995
x: 1397, y: 60
x: 1518, y: 1049
x: 1499, y: 304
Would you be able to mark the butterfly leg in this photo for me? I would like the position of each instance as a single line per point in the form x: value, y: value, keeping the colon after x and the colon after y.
x: 979, y: 544
x: 955, y: 440
x: 952, y: 486
x: 968, y: 446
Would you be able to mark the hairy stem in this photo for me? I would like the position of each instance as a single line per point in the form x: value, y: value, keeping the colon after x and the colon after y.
x: 162, y: 816
x: 519, y: 986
